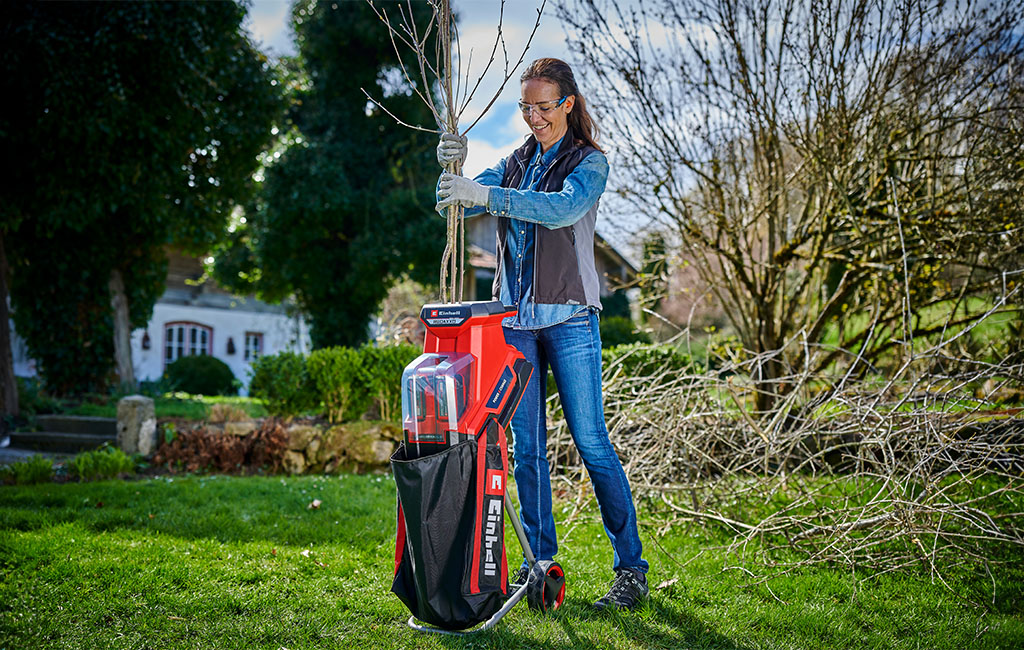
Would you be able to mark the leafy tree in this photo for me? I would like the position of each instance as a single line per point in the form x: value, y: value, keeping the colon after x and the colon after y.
x: 136, y: 125
x: 835, y: 170
x: 346, y: 207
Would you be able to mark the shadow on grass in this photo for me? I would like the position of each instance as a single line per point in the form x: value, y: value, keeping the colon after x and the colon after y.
x: 668, y: 626
x: 656, y: 625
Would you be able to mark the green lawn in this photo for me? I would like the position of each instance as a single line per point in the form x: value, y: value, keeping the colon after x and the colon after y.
x: 218, y: 562
x: 175, y: 405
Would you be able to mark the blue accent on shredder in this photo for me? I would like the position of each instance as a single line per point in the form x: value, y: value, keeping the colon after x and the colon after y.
x: 504, y: 382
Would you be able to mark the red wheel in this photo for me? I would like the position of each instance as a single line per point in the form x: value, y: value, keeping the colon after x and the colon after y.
x: 545, y: 587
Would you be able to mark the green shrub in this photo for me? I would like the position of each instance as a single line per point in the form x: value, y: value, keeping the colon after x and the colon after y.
x: 381, y: 376
x: 35, y: 469
x: 615, y: 305
x: 336, y: 374
x: 33, y: 399
x: 619, y: 330
x: 105, y: 462
x: 647, y: 360
x: 282, y: 380
x: 201, y: 375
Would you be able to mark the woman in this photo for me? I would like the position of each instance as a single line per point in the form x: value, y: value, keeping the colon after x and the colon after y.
x: 545, y: 195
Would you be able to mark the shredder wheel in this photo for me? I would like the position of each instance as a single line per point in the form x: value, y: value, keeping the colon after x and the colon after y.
x: 545, y: 587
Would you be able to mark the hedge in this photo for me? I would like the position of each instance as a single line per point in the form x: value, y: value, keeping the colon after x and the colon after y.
x: 343, y: 384
x: 340, y: 383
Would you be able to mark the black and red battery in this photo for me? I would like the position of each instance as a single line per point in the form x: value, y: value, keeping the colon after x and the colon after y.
x: 467, y: 382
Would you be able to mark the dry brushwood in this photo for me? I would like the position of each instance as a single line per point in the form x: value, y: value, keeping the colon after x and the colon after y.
x: 922, y: 469
x: 198, y: 449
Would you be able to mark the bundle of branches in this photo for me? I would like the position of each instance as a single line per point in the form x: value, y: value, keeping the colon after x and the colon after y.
x: 199, y: 449
x: 924, y: 464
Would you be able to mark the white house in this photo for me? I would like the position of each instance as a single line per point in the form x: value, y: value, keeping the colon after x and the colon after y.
x: 198, y: 317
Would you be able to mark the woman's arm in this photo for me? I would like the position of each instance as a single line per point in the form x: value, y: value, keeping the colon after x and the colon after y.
x: 581, y: 190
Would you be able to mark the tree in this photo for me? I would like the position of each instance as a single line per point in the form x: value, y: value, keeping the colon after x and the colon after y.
x: 137, y: 125
x: 346, y: 207
x: 836, y: 170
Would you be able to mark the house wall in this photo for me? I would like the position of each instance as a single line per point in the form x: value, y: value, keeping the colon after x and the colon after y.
x: 280, y: 332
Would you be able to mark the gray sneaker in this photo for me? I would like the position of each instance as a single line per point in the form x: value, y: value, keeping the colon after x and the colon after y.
x: 627, y: 592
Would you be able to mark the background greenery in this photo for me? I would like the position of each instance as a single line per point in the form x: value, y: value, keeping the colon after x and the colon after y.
x: 136, y: 126
x: 347, y: 195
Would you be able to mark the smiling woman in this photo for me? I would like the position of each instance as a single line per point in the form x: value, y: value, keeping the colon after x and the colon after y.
x: 545, y: 195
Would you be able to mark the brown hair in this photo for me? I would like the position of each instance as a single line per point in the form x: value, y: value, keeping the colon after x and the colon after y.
x: 559, y: 73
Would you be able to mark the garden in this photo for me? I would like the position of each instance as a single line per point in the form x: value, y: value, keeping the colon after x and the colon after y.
x: 752, y: 546
x: 815, y: 385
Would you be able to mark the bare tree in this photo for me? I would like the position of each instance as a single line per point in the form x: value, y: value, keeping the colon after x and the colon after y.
x: 839, y: 172
x: 442, y: 79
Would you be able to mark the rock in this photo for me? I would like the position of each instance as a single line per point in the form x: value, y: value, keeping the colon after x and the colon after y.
x: 136, y: 425
x: 382, y: 450
x: 312, y: 449
x: 239, y: 428
x: 332, y: 446
x: 300, y: 435
x: 294, y: 462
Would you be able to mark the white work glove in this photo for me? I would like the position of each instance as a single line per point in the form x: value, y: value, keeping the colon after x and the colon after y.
x: 459, y: 190
x: 451, y: 149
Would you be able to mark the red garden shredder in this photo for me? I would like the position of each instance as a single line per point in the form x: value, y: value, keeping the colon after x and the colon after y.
x: 451, y: 472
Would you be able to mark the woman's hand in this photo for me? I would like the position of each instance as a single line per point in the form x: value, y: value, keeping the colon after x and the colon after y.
x: 459, y: 190
x: 451, y: 149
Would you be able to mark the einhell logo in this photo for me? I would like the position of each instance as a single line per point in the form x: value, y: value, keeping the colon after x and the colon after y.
x: 491, y: 536
x: 444, y: 317
x: 495, y: 483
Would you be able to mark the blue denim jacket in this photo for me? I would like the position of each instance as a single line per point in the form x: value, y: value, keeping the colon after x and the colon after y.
x: 528, y: 209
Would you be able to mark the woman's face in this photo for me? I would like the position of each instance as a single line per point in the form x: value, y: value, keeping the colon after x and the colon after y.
x: 547, y: 122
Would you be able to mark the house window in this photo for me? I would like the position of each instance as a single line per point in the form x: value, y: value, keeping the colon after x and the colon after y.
x: 185, y: 340
x: 253, y: 345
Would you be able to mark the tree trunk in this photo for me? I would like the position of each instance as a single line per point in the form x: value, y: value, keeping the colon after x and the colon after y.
x: 8, y: 387
x: 122, y: 331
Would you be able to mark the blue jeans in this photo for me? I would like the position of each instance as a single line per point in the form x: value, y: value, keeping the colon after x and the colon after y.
x: 573, y: 352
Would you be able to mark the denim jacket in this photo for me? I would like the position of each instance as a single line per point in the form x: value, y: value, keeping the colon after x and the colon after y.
x: 533, y: 215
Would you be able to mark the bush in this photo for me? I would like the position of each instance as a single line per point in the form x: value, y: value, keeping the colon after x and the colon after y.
x: 619, y: 330
x: 35, y: 469
x: 336, y: 374
x: 615, y: 305
x: 380, y: 373
x: 201, y: 375
x: 283, y: 381
x: 647, y: 360
x: 33, y: 399
x: 105, y: 462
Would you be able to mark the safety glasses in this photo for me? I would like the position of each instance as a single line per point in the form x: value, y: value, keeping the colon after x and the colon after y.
x: 542, y: 107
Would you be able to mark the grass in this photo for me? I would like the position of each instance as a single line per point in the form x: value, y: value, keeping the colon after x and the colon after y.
x: 174, y: 405
x: 217, y: 562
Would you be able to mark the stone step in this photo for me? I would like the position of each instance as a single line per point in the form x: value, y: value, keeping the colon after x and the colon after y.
x: 82, y: 424
x: 59, y: 441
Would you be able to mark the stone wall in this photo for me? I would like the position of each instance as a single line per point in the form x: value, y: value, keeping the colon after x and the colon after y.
x: 320, y: 447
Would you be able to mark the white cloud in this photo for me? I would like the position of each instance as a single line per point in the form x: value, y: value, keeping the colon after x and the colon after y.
x: 267, y: 22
